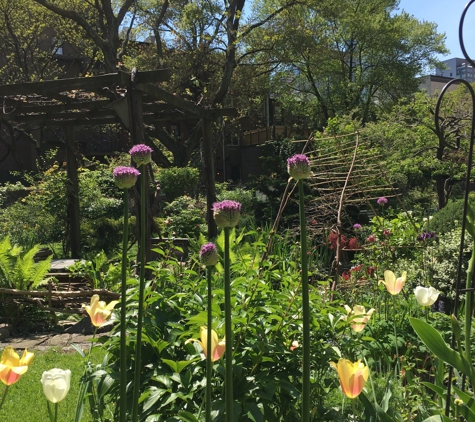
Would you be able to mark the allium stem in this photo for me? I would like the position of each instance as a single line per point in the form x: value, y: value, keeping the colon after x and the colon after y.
x: 209, y: 363
x: 123, y: 310
x: 305, y: 310
x: 228, y: 380
x: 138, y: 346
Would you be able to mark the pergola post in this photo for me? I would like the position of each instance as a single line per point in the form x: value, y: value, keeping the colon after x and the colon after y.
x: 208, y: 167
x: 73, y: 194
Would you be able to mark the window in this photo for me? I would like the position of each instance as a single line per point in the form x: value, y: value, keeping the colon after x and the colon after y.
x: 57, y: 46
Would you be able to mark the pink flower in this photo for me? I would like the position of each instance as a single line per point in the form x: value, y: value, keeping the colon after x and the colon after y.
x: 383, y: 200
x: 141, y: 154
x: 370, y: 238
x: 125, y: 177
x: 209, y: 254
x: 226, y: 213
x: 298, y: 166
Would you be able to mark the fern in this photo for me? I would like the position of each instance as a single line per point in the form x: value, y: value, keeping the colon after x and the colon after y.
x: 20, y: 271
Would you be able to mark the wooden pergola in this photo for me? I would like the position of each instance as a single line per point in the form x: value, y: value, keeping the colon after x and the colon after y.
x: 131, y: 99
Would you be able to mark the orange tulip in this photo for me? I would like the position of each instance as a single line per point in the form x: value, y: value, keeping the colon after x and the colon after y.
x: 393, y: 285
x: 358, y: 317
x: 12, y: 367
x: 353, y: 376
x: 217, y: 346
x: 99, y: 311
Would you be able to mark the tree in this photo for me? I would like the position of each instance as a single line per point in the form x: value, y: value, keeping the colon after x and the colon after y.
x: 418, y: 158
x: 347, y: 56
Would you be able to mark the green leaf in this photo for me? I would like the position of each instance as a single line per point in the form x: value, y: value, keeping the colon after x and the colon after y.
x: 438, y: 418
x: 180, y: 365
x: 433, y: 340
x: 187, y: 416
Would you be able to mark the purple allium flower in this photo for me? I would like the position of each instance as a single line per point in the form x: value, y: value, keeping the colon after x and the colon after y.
x: 357, y: 226
x: 125, y: 177
x: 226, y: 213
x: 209, y: 254
x: 383, y: 200
x: 298, y: 166
x: 141, y: 154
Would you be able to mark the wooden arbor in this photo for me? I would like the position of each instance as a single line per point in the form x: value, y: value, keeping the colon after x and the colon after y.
x: 128, y: 99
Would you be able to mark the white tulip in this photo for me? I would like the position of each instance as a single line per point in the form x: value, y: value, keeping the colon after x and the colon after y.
x: 426, y: 296
x: 56, y: 383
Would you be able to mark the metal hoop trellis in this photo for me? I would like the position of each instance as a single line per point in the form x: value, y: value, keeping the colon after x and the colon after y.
x: 439, y: 131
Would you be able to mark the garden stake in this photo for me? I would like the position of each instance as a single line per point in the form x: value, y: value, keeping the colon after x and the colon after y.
x: 123, y: 310
x: 228, y: 380
x: 442, y: 141
x: 138, y: 347
x: 305, y: 310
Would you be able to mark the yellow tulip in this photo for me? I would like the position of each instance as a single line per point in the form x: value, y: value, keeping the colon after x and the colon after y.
x: 353, y: 376
x: 393, y: 285
x: 217, y: 346
x: 358, y: 317
x: 12, y: 367
x: 99, y: 311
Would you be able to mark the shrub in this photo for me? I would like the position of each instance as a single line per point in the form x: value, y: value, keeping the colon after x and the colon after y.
x: 178, y: 181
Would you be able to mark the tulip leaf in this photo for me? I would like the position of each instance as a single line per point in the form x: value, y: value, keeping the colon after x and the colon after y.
x: 434, y: 341
x: 468, y: 411
x: 441, y: 392
x: 470, y: 226
x: 438, y: 418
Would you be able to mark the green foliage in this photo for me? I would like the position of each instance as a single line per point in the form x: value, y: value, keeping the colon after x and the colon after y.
x: 448, y: 218
x: 176, y: 181
x: 101, y: 272
x: 18, y: 270
x: 184, y: 217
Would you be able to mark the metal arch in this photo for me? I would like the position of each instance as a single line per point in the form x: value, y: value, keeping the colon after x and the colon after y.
x: 439, y: 132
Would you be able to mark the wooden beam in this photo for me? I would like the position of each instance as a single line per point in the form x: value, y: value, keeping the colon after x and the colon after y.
x: 93, y: 83
x: 168, y: 97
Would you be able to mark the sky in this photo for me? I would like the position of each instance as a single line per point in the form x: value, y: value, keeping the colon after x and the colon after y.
x: 446, y: 14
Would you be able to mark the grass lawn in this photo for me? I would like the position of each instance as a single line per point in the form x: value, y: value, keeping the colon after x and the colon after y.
x: 25, y: 402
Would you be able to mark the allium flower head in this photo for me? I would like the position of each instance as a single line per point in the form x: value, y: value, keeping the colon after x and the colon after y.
x: 383, y: 200
x: 209, y: 254
x: 141, y: 154
x: 357, y: 226
x: 125, y: 177
x: 226, y: 213
x: 298, y: 166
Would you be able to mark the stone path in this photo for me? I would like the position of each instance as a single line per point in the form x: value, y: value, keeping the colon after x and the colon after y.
x: 41, y: 342
x: 78, y: 333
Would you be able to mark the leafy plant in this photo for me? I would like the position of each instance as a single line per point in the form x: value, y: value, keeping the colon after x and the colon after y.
x: 19, y: 270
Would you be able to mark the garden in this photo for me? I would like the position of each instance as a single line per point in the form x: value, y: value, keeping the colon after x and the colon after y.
x: 354, y: 321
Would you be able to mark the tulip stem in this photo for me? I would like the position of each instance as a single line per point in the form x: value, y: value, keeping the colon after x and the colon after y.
x: 305, y: 309
x: 138, y: 346
x: 395, y: 343
x: 209, y: 363
x: 4, y: 395
x: 56, y: 412
x: 123, y: 311
x: 228, y: 380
